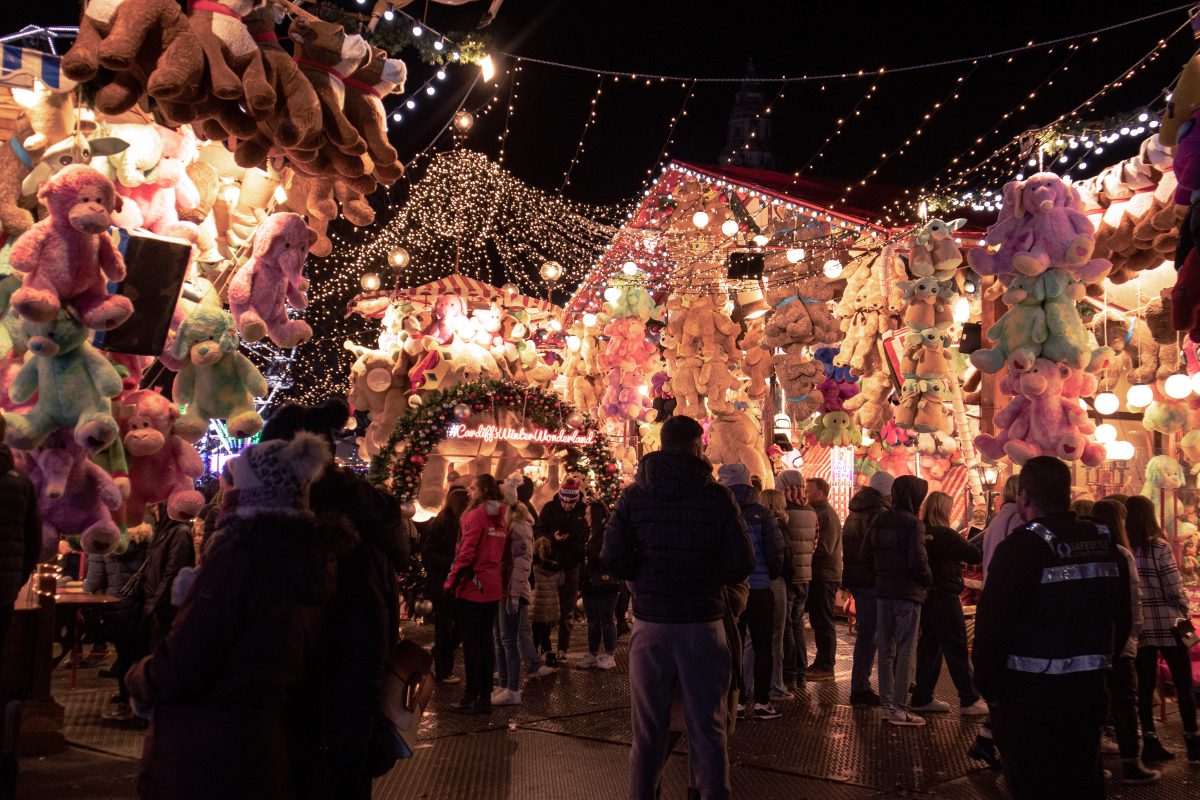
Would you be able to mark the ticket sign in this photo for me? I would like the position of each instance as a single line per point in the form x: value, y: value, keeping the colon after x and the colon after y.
x: 500, y: 433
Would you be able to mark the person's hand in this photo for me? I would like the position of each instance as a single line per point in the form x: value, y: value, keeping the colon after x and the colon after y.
x: 560, y: 537
x: 513, y: 606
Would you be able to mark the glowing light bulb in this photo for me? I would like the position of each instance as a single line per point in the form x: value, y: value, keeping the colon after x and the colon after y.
x: 729, y: 227
x: 555, y: 325
x: 464, y: 120
x: 700, y: 219
x: 962, y: 310
x: 1106, y: 433
x: 1196, y: 383
x: 612, y: 294
x: 762, y: 240
x: 1139, y: 396
x: 369, y: 281
x: 417, y: 30
x: 398, y: 258
x: 832, y: 268
x: 629, y: 268
x: 795, y: 255
x: 551, y: 271
x: 1177, y: 386
x: 589, y: 320
x: 1107, y: 403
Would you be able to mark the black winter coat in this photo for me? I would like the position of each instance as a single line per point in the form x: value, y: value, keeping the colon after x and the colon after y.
x: 895, y: 545
x: 865, y: 506
x: 947, y: 553
x: 556, y: 519
x: 437, y: 553
x: 170, y: 550
x: 775, y: 550
x: 827, y: 558
x: 232, y: 685
x: 363, y: 617
x: 678, y: 535
x: 20, y: 528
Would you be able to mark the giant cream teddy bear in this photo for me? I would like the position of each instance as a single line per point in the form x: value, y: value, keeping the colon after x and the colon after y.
x: 735, y: 438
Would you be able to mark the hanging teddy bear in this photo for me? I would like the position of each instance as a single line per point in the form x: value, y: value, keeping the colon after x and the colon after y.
x: 216, y: 381
x: 273, y: 273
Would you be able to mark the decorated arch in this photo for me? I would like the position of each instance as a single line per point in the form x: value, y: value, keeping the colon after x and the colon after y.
x: 542, y: 417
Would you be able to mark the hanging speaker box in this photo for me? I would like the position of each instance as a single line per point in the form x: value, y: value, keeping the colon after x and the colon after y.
x: 972, y: 338
x: 744, y: 266
x: 155, y: 267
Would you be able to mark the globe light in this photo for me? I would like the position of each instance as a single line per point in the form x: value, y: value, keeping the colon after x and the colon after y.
x: 1119, y: 451
x: 762, y: 240
x: 629, y: 268
x: 551, y: 271
x: 589, y: 320
x: 511, y: 291
x: 398, y: 258
x: 1106, y: 433
x: 729, y: 227
x: 464, y: 120
x: 1112, y: 450
x: 612, y: 294
x: 1177, y: 386
x: 1196, y: 383
x: 1139, y: 396
x: 700, y: 219
x: 1107, y: 403
x: 795, y: 255
x: 962, y: 310
x: 833, y: 268
x: 369, y: 281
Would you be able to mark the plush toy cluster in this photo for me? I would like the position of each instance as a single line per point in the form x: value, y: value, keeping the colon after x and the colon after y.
x: 800, y: 320
x: 701, y: 352
x: 1041, y: 249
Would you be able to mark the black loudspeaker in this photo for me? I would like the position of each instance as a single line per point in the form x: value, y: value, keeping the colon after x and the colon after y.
x: 972, y: 338
x: 744, y: 266
x: 155, y: 267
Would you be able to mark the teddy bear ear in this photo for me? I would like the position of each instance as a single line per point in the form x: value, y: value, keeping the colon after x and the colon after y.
x: 312, y: 237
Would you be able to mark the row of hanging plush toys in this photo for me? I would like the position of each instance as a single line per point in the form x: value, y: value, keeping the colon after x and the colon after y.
x: 1044, y: 258
x: 222, y: 68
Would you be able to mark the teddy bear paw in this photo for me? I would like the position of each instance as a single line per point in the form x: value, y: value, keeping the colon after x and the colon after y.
x: 35, y: 305
x: 252, y: 328
x: 1020, y: 452
x: 101, y: 538
x: 245, y: 425
x: 184, y: 506
x: 95, y: 432
x: 108, y: 314
x: 1028, y: 264
x: 1080, y: 249
x: 190, y: 427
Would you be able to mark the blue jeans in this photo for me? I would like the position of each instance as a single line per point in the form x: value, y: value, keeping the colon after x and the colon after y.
x: 864, y: 642
x: 600, y: 607
x: 795, y: 647
x: 513, y: 645
x: 695, y: 658
x: 897, y: 634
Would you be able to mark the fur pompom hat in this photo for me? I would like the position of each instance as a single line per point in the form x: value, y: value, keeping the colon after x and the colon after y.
x: 273, y: 477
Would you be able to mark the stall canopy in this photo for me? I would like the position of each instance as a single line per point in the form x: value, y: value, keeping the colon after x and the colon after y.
x: 374, y: 304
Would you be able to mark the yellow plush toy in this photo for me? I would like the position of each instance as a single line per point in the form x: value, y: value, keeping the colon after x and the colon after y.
x: 735, y: 438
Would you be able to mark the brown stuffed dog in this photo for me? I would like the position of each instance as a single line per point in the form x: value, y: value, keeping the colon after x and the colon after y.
x: 326, y: 55
x: 235, y: 66
x: 364, y: 108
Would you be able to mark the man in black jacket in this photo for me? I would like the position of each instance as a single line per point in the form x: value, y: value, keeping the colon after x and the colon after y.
x: 563, y: 521
x: 858, y: 578
x: 679, y: 537
x: 20, y: 534
x: 826, y: 578
x: 1055, y: 602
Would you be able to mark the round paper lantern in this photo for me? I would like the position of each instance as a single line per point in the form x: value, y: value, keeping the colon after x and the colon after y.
x: 1139, y: 396
x: 700, y: 219
x: 729, y: 227
x: 1177, y: 386
x: 1107, y: 403
x: 1106, y: 433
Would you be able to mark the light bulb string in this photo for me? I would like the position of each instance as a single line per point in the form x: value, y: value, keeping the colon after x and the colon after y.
x: 764, y: 111
x: 587, y: 124
x: 860, y: 73
x: 855, y: 112
x: 679, y: 115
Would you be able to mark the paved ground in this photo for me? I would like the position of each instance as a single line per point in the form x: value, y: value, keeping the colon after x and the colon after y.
x: 570, y: 741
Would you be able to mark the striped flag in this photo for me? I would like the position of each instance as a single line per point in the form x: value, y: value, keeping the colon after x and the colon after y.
x: 20, y: 67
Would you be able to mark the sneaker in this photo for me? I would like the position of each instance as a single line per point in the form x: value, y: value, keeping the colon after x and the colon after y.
x: 867, y: 698
x: 1134, y: 774
x: 508, y: 698
x: 819, y: 675
x: 1152, y: 749
x: 542, y: 672
x: 118, y: 712
x: 936, y: 706
x: 791, y: 686
x: 782, y: 698
x: 984, y: 749
x: 498, y: 694
x: 976, y: 709
x: 1108, y: 747
x: 587, y: 662
x: 561, y: 657
x: 606, y: 661
x: 905, y: 719
x: 450, y: 680
x: 741, y: 711
x: 765, y: 711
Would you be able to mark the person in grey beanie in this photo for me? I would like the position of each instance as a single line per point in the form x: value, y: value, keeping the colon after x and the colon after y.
x: 858, y: 578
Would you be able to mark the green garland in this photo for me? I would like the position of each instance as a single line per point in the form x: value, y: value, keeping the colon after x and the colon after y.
x: 395, y: 37
x: 420, y: 431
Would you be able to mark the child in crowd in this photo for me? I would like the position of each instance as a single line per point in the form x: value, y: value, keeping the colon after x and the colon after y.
x: 547, y: 577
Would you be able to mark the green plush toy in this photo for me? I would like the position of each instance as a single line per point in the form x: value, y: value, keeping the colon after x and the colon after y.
x: 216, y: 381
x: 1068, y: 341
x: 835, y: 428
x: 74, y: 384
x: 1021, y: 332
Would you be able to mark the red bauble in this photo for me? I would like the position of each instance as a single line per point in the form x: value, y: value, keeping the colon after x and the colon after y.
x: 417, y: 459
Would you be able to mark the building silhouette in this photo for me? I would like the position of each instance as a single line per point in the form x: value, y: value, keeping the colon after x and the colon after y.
x: 748, y: 142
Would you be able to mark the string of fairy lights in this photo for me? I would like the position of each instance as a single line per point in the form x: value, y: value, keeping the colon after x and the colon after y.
x: 587, y: 126
x: 664, y: 152
x: 765, y: 111
x: 839, y: 126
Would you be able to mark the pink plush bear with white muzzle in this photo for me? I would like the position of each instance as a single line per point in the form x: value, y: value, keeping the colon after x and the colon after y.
x: 274, y: 273
x: 162, y: 467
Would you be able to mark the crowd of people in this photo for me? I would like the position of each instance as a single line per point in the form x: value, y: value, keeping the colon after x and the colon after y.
x: 261, y: 643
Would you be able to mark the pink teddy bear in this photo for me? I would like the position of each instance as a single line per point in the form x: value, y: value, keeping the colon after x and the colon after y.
x: 1043, y: 418
x: 68, y: 257
x: 273, y: 273
x: 167, y: 188
x: 162, y: 467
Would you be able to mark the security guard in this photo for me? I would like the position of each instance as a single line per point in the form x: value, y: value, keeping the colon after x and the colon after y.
x: 1056, y: 598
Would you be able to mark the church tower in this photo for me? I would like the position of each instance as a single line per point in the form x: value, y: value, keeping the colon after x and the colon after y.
x: 748, y: 143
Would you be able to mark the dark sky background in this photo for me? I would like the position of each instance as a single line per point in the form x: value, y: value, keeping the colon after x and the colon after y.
x: 791, y: 38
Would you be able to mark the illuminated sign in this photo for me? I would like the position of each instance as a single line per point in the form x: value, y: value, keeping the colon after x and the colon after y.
x: 498, y: 433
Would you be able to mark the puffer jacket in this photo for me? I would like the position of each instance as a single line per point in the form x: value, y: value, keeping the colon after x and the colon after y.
x: 547, y: 577
x: 801, y: 535
x: 556, y: 519
x: 231, y: 686
x: 169, y: 551
x: 1007, y: 520
x: 865, y: 506
x: 20, y: 528
x: 947, y: 553
x: 680, y: 538
x: 827, y: 558
x: 109, y: 574
x: 475, y: 573
x: 895, y: 545
x: 770, y: 548
x: 519, y: 564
